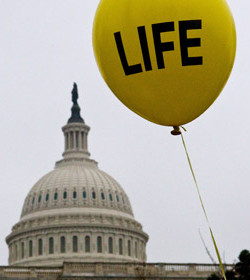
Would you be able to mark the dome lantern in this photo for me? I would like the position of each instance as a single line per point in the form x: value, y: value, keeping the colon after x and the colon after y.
x: 75, y: 132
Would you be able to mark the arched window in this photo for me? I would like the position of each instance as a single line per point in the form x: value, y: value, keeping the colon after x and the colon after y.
x: 84, y: 194
x: 110, y: 197
x: 75, y: 244
x: 110, y: 245
x: 99, y: 244
x: 51, y: 245
x: 136, y: 251
x: 93, y: 195
x: 62, y: 244
x: 33, y: 200
x: 22, y: 250
x: 55, y: 196
x: 102, y: 196
x: 120, y: 246
x: 117, y: 198
x: 74, y: 194
x: 64, y: 195
x: 47, y: 197
x: 39, y: 198
x: 123, y: 200
x: 30, y: 248
x: 40, y: 246
x: 87, y: 244
x: 129, y: 248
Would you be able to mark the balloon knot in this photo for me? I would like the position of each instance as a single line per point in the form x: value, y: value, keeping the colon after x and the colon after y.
x: 176, y: 130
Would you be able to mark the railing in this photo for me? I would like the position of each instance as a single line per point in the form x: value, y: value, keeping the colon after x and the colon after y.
x: 122, y: 269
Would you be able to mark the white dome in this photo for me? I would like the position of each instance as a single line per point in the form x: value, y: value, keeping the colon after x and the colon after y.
x: 76, y: 212
x: 77, y: 185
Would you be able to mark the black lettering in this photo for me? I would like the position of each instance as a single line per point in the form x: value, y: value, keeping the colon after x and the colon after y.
x: 144, y: 47
x: 186, y: 43
x: 128, y: 69
x: 160, y: 47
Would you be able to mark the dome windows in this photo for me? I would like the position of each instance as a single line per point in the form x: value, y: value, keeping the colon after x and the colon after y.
x: 62, y: 244
x: 75, y: 244
x: 117, y: 198
x: 33, y: 200
x: 99, y: 244
x: 74, y: 194
x: 120, y: 246
x: 64, y: 195
x: 84, y: 194
x: 93, y: 195
x: 30, y: 248
x: 47, y: 197
x: 55, y: 196
x: 110, y: 197
x: 110, y: 245
x: 51, y: 245
x: 129, y: 248
x: 40, y: 246
x: 87, y: 244
x: 102, y: 196
x: 22, y: 250
x: 39, y: 198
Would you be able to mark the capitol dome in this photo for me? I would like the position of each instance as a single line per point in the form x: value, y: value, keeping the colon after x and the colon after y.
x: 76, y: 213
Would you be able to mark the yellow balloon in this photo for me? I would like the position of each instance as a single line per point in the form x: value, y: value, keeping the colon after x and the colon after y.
x: 166, y: 60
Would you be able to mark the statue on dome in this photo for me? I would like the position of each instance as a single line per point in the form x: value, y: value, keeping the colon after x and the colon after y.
x: 74, y: 93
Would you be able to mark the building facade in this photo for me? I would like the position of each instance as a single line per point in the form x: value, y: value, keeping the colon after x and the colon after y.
x: 77, y: 222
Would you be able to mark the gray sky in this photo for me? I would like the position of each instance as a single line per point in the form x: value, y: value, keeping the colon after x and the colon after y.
x: 45, y: 47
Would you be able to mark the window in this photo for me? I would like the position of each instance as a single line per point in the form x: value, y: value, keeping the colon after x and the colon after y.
x: 39, y: 198
x: 74, y: 194
x: 136, y: 253
x: 33, y: 200
x: 55, y: 196
x: 77, y: 137
x: 87, y: 244
x: 117, y: 198
x: 16, y: 253
x: 102, y: 196
x: 84, y: 194
x: 129, y: 248
x: 110, y: 245
x: 40, y: 246
x: 51, y: 245
x: 99, y: 244
x: 120, y: 246
x: 71, y: 140
x: 93, y: 195
x: 62, y: 244
x: 123, y: 200
x: 30, y: 248
x: 22, y: 252
x: 64, y: 195
x: 110, y: 197
x: 75, y: 244
x: 47, y: 197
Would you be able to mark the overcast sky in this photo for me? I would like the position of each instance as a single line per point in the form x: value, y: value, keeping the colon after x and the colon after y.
x: 47, y: 45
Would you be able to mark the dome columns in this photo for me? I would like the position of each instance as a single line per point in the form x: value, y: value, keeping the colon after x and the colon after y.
x: 76, y: 140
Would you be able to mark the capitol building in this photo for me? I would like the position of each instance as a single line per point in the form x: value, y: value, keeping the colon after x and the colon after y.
x: 77, y: 223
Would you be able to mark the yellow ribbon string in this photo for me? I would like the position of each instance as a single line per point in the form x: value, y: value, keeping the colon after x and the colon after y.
x: 203, y: 207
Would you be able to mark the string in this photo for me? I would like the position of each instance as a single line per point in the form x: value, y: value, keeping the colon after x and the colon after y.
x: 203, y: 207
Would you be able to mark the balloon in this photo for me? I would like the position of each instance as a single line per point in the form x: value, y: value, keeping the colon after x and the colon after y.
x: 166, y: 60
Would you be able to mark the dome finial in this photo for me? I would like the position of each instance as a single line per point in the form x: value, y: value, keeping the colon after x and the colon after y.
x: 74, y: 93
x: 75, y: 110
